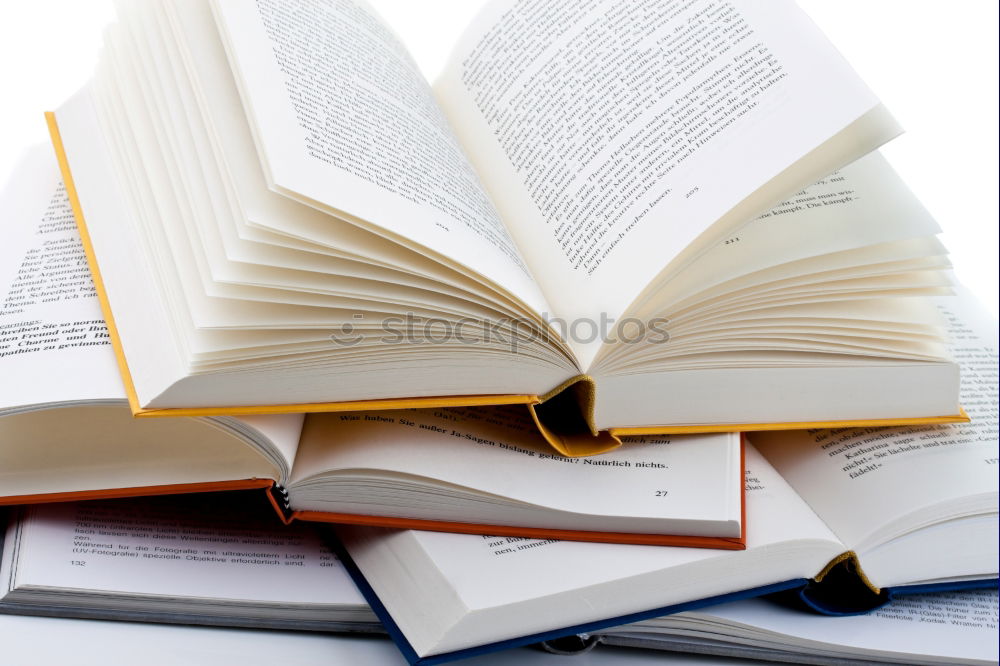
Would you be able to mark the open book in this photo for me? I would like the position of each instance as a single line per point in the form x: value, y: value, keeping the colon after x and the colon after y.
x: 942, y: 628
x: 218, y: 559
x: 66, y: 431
x: 198, y: 560
x: 841, y: 520
x: 283, y: 216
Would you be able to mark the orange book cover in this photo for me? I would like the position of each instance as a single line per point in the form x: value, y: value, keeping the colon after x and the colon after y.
x: 276, y: 499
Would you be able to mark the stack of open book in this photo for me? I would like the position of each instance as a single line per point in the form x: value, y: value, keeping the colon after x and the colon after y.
x: 266, y: 257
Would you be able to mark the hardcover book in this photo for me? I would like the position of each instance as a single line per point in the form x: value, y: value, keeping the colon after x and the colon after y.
x: 283, y: 215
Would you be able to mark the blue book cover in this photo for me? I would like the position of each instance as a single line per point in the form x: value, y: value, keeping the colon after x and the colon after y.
x: 803, y: 593
x: 411, y: 656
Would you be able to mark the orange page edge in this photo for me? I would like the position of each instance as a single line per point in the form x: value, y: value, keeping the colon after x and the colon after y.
x: 138, y: 491
x: 642, y: 539
x: 717, y: 543
x: 268, y: 485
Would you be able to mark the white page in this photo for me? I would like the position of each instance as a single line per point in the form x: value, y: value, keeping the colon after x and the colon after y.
x: 54, y: 344
x: 491, y: 588
x: 264, y: 210
x: 201, y: 547
x: 344, y: 120
x: 607, y: 150
x: 487, y: 575
x: 953, y: 625
x: 894, y: 472
x: 499, y: 451
x: 861, y: 205
x: 49, y: 316
x: 213, y: 217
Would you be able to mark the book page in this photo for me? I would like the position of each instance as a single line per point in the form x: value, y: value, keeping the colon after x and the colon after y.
x: 612, y: 136
x: 504, y: 587
x: 55, y: 348
x: 944, y: 625
x: 50, y: 319
x: 859, y: 479
x: 864, y: 204
x: 344, y: 120
x: 213, y: 547
x: 525, y: 568
x: 692, y: 480
x: 858, y: 217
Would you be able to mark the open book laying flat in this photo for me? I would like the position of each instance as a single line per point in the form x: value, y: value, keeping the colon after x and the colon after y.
x: 66, y: 431
x: 218, y: 559
x: 282, y: 216
x: 213, y: 560
x: 839, y: 520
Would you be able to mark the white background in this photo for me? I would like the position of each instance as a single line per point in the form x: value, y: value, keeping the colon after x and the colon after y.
x: 933, y: 63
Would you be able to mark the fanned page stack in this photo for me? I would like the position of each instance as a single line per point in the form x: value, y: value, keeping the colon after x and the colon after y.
x: 66, y: 431
x: 284, y: 216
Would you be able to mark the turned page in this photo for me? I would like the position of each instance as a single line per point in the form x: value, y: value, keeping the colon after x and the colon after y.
x: 612, y: 136
x: 694, y: 480
x: 49, y: 316
x: 344, y: 120
x: 860, y: 479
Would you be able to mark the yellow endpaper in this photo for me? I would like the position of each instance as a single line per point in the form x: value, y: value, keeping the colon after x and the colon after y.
x: 88, y: 248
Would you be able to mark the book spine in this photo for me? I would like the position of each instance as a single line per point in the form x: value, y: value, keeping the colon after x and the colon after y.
x: 277, y: 495
x: 840, y: 589
x: 571, y: 645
